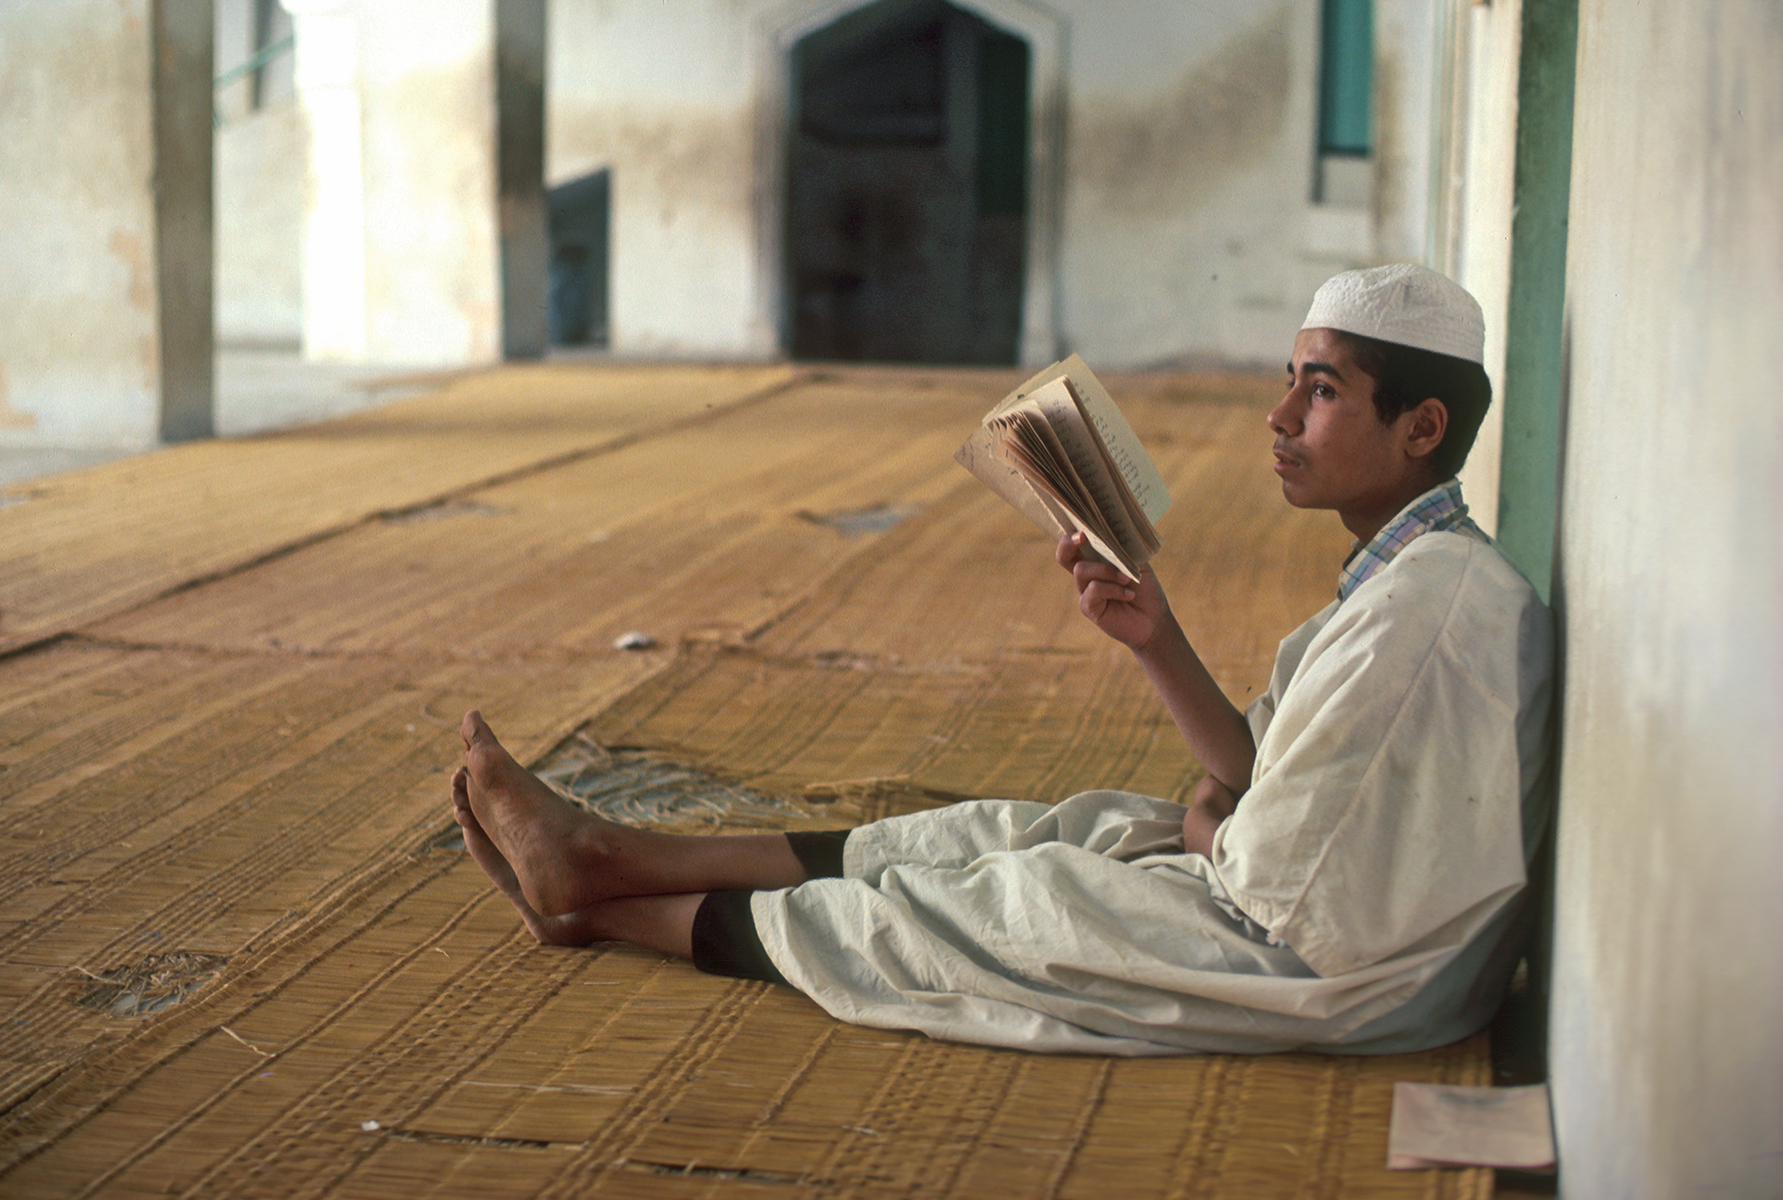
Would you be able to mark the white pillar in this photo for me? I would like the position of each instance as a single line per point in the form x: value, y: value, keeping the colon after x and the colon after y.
x: 402, y: 237
x: 327, y: 81
x: 105, y: 222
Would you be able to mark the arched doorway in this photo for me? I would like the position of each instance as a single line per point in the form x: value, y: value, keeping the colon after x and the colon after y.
x: 906, y: 212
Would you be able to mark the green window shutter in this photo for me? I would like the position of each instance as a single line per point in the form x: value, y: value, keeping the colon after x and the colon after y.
x: 1346, y: 77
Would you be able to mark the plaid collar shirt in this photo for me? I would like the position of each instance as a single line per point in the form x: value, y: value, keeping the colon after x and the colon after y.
x: 1439, y: 508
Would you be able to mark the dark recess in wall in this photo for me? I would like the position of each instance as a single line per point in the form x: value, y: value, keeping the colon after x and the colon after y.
x: 907, y: 187
x: 578, y: 230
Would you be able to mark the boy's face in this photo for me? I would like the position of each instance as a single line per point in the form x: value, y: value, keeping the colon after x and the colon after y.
x: 1331, y: 448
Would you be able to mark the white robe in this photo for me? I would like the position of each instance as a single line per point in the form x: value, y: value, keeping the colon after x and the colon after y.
x: 1360, y: 898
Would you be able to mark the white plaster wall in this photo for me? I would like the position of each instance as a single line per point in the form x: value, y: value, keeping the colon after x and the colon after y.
x: 1411, y: 90
x: 1667, y: 1042
x: 78, y: 331
x: 261, y: 158
x: 1185, y: 228
x: 400, y: 242
x: 1487, y: 184
x: 1189, y: 159
x: 661, y: 92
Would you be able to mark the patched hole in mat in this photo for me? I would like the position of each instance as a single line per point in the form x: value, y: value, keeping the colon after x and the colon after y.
x: 157, y: 982
x: 646, y: 787
x: 855, y: 521
x: 443, y: 511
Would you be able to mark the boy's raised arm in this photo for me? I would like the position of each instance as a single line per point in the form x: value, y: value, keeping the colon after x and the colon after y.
x: 1137, y: 614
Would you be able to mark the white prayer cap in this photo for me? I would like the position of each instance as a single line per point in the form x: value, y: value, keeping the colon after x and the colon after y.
x: 1405, y: 304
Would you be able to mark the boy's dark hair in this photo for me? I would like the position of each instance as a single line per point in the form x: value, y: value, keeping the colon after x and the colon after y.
x: 1405, y: 377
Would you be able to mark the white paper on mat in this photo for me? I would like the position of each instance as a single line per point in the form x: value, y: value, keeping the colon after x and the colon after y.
x: 1441, y: 1125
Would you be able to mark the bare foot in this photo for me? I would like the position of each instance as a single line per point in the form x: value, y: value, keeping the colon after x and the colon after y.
x: 568, y: 930
x: 562, y: 857
x: 565, y: 859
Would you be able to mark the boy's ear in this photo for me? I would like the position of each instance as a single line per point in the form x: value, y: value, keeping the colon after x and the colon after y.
x: 1429, y: 421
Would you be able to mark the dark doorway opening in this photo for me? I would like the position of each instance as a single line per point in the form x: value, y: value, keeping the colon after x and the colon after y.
x: 907, y: 187
x: 578, y: 228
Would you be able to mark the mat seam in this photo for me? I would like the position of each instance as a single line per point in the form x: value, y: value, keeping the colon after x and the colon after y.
x: 33, y: 641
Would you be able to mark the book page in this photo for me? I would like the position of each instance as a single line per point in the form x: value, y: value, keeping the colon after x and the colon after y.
x: 985, y: 455
x: 1033, y: 446
x: 1136, y: 468
x: 1032, y: 443
x: 979, y: 455
x: 1058, y: 450
x: 1058, y: 403
x: 1097, y: 547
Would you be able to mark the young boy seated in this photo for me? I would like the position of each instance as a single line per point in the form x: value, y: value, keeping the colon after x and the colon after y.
x: 1348, y: 875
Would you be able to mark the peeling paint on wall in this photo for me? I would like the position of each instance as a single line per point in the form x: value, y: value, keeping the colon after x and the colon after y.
x: 148, y: 356
x: 78, y: 338
x: 129, y: 249
x: 11, y: 418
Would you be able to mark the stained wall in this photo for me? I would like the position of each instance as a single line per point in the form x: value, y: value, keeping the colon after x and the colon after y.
x: 105, y: 254
x: 1173, y: 182
x: 1667, y: 1039
x: 1183, y: 227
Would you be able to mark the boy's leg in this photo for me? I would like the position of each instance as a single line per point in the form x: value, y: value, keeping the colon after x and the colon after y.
x: 564, y: 859
x: 662, y: 923
x: 818, y: 851
x: 714, y: 929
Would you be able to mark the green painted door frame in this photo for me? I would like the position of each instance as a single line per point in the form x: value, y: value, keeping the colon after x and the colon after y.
x: 1534, y: 403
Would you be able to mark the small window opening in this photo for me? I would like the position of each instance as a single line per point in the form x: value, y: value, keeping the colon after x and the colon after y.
x: 1346, y: 100
x: 272, y: 46
x: 253, y: 57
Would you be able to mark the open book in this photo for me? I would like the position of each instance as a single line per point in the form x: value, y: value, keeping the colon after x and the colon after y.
x: 1059, y: 450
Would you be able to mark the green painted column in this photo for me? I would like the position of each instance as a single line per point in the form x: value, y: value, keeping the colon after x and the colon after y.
x: 1534, y: 380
